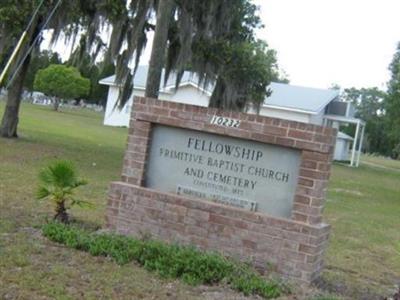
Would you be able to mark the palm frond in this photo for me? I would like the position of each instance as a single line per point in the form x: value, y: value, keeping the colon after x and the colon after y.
x: 42, y: 192
x: 59, y: 174
x: 81, y: 203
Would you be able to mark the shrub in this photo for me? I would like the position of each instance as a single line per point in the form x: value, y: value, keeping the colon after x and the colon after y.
x: 170, y: 261
x: 58, y: 182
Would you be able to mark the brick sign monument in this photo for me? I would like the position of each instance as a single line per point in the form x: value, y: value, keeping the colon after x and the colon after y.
x: 248, y: 186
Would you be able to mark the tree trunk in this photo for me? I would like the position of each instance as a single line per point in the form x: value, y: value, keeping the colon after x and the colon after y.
x: 61, y: 213
x: 9, y: 123
x: 56, y: 103
x: 10, y: 119
x: 164, y: 15
x: 216, y: 97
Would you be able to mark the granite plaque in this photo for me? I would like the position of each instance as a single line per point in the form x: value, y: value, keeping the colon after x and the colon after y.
x: 233, y: 171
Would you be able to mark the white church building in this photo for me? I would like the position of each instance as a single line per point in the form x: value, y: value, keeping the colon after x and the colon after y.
x: 297, y: 103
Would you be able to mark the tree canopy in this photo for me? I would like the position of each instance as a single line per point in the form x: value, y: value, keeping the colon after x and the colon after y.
x: 67, y: 17
x: 369, y: 104
x: 392, y: 105
x: 200, y: 36
x: 61, y: 82
x: 40, y: 61
x: 213, y: 38
x: 94, y: 72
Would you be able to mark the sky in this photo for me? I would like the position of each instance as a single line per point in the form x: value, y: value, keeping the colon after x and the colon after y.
x: 324, y: 42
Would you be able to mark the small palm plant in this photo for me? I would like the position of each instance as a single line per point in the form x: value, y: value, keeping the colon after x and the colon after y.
x: 57, y: 183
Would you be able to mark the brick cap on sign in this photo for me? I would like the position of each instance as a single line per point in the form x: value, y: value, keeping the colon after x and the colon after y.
x: 254, y: 127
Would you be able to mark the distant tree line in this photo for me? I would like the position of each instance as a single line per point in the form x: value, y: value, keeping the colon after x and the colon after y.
x: 381, y: 111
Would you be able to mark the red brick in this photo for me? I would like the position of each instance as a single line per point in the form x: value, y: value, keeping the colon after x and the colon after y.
x: 292, y: 245
x: 302, y: 199
x: 274, y: 130
x: 315, y: 219
x: 299, y: 217
x: 285, y: 123
x: 170, y: 121
x: 318, y: 240
x: 236, y: 115
x: 284, y: 142
x: 291, y: 255
x: 309, y: 164
x: 306, y: 182
x: 302, y: 135
x: 178, y: 209
x: 301, y: 126
x: 220, y: 219
x: 130, y: 155
x: 265, y: 138
x: 160, y: 110
x: 326, y: 139
x: 312, y: 258
x: 306, y: 209
x: 308, y: 249
x: 276, y: 122
x: 138, y: 148
x: 201, y: 118
x: 132, y: 180
x: 316, y: 156
x: 238, y: 133
x: 251, y: 117
x: 250, y: 126
x: 140, y: 108
x: 317, y: 201
x: 145, y: 117
x: 135, y: 164
x: 249, y: 244
x: 183, y: 115
x: 140, y: 141
x: 308, y: 146
x: 214, y: 128
x: 313, y: 174
x: 196, y: 231
x: 202, y: 216
x: 264, y: 120
x: 306, y: 191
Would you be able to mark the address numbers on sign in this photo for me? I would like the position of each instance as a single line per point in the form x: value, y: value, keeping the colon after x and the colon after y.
x: 224, y: 121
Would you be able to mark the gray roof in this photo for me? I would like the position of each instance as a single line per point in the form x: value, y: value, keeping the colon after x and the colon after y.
x: 284, y: 96
x: 306, y: 99
x: 342, y: 135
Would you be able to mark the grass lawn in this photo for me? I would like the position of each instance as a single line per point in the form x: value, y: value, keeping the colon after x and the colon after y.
x: 363, y: 207
x: 377, y: 161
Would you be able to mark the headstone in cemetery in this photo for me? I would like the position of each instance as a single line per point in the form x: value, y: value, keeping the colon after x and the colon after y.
x: 249, y: 186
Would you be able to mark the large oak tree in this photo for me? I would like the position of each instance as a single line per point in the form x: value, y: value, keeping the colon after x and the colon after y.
x: 212, y: 38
